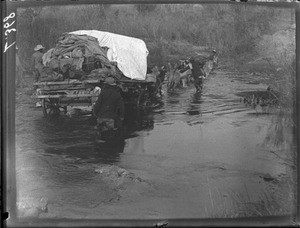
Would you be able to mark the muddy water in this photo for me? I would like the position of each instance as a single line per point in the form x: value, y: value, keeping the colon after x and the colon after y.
x: 199, y: 155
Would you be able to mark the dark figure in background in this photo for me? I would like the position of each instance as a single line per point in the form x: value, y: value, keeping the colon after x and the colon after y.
x: 37, y: 61
x: 109, y: 110
x: 197, y: 73
x: 160, y: 79
x: 213, y: 55
x: 162, y: 74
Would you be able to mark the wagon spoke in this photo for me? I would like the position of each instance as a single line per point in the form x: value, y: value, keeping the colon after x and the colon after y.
x: 50, y: 107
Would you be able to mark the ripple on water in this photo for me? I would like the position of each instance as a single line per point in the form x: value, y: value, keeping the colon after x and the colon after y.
x: 209, y: 130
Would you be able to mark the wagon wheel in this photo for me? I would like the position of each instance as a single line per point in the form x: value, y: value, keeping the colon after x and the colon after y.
x: 144, y: 100
x: 50, y: 107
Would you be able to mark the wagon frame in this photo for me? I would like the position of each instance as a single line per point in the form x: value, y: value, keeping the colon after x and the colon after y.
x: 57, y: 96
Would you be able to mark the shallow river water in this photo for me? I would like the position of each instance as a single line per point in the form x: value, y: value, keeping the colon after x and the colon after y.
x: 197, y: 156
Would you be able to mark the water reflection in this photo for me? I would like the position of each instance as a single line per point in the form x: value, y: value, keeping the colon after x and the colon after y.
x: 196, y: 98
x: 194, y: 104
x: 105, y: 153
x: 76, y: 136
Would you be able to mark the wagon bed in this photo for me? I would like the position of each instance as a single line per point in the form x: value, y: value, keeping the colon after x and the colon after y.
x: 59, y: 95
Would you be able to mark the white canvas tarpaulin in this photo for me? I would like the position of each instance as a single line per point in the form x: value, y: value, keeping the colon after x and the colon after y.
x: 129, y: 53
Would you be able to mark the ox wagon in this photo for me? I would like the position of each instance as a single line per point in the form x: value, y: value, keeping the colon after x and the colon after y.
x: 88, y: 51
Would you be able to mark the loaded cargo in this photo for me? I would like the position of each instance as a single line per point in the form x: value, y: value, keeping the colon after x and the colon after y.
x: 75, y: 69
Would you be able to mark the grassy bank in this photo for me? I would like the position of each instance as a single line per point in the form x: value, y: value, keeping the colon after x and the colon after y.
x: 232, y: 29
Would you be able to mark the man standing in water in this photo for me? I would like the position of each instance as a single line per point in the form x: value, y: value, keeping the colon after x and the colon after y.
x: 109, y: 108
x: 197, y: 73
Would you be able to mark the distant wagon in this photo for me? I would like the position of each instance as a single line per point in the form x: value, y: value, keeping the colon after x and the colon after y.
x: 76, y: 68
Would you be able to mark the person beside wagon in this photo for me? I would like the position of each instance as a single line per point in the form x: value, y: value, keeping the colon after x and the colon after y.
x: 37, y: 59
x: 109, y: 107
x: 214, y: 58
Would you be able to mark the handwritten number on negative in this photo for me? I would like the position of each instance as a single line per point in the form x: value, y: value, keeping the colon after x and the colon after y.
x: 7, y: 25
x: 7, y: 47
x: 12, y: 15
x: 7, y: 31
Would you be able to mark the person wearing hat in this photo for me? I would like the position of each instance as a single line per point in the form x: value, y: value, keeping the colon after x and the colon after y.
x: 109, y: 107
x: 37, y: 61
x: 197, y: 73
x: 212, y: 55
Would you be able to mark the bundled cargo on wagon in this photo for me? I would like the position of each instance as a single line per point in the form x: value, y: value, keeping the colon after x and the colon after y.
x: 75, y: 57
x: 75, y: 69
x: 91, y: 54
